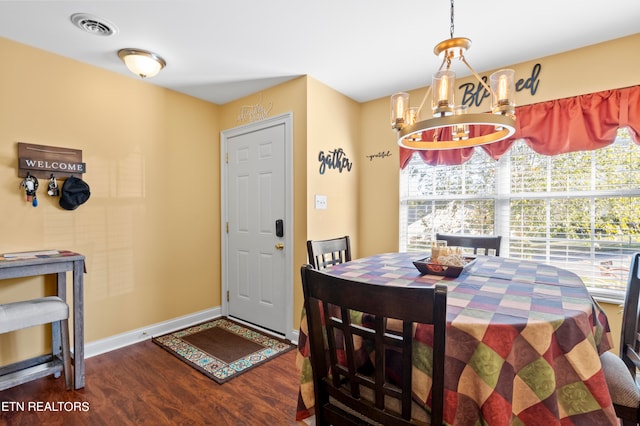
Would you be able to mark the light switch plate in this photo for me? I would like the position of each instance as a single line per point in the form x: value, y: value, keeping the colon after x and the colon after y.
x: 321, y: 202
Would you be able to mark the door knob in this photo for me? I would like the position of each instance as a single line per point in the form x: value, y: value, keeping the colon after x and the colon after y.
x: 279, y: 246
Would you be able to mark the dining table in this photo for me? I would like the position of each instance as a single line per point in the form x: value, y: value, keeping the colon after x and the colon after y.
x: 523, y: 342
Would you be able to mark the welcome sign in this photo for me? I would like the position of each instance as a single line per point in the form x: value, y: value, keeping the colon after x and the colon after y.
x: 42, y: 161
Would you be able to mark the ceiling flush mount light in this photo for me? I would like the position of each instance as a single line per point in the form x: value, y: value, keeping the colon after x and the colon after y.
x: 450, y: 123
x: 142, y: 62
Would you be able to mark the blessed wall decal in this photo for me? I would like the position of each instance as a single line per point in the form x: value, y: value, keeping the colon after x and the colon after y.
x: 474, y: 93
x: 336, y: 159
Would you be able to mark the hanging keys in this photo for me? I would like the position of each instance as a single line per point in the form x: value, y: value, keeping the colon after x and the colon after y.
x: 53, y: 189
x: 30, y: 186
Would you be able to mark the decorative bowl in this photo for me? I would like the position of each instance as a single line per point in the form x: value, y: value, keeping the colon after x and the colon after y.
x: 427, y: 266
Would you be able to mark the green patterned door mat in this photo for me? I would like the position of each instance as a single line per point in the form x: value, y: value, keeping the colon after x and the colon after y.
x: 221, y: 348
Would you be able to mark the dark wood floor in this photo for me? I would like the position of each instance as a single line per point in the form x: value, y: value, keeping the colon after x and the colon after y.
x: 144, y: 385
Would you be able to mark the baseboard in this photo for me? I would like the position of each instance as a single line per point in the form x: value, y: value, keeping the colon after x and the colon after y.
x: 136, y: 336
x: 118, y: 341
x: 293, y: 337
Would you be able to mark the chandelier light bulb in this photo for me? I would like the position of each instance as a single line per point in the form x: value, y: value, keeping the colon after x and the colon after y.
x: 399, y: 104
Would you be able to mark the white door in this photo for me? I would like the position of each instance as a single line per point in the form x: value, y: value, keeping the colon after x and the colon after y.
x: 257, y: 225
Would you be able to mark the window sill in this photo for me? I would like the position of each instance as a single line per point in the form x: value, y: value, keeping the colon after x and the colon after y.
x: 615, y: 297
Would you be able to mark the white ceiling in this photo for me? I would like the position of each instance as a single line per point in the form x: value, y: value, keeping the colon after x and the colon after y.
x: 220, y: 51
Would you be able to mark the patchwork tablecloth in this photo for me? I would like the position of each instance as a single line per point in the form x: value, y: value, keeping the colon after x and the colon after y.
x: 523, y: 343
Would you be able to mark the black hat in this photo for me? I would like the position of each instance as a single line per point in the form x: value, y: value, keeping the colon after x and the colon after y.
x: 75, y: 191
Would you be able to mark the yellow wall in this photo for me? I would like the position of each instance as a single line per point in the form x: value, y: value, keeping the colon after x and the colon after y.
x: 329, y: 130
x: 151, y: 228
x: 150, y: 231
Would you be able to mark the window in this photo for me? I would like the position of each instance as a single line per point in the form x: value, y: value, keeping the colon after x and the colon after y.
x: 579, y: 211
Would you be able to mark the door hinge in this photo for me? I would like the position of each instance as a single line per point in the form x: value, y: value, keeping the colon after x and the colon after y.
x: 227, y: 295
x: 227, y: 227
x: 226, y: 158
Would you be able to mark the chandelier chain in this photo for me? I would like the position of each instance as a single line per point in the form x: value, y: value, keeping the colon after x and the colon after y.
x: 451, y: 28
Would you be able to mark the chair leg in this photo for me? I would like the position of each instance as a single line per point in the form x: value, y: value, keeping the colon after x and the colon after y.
x: 56, y: 344
x: 66, y: 353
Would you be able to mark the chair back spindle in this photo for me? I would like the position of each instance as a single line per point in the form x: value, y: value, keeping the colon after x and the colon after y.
x: 630, y: 340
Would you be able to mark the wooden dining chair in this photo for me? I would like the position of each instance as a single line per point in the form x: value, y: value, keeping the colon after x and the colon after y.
x: 29, y: 313
x: 323, y: 253
x: 621, y: 372
x: 486, y: 244
x: 343, y: 393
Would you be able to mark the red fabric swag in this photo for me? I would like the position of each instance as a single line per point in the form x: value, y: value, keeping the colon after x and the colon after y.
x: 580, y: 123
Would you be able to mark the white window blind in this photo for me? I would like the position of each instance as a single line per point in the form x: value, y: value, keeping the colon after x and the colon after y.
x: 446, y: 199
x: 579, y: 211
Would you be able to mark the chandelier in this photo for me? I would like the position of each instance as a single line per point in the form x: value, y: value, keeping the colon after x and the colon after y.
x: 451, y: 126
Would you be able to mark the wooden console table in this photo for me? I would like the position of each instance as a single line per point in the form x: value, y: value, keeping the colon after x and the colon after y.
x: 55, y: 262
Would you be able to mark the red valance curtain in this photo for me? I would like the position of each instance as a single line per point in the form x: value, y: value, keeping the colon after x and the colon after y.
x: 580, y: 123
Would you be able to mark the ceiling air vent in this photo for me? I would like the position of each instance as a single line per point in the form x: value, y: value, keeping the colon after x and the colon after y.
x: 93, y: 25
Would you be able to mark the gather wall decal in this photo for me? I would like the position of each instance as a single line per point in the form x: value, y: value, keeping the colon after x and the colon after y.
x: 336, y: 159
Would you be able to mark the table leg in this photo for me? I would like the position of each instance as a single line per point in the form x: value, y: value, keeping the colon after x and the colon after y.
x: 78, y: 323
x: 61, y: 292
